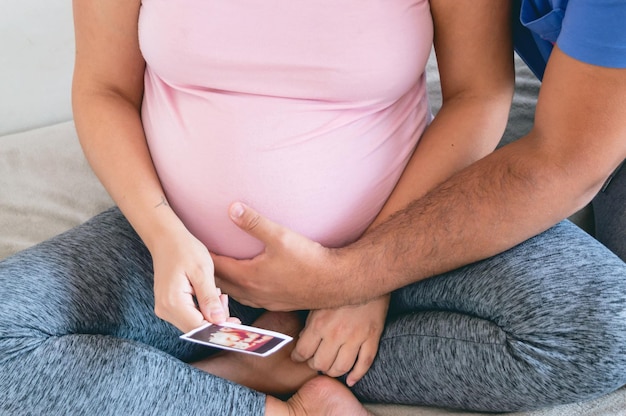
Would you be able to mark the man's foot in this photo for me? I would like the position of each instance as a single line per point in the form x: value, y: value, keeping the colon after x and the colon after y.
x: 322, y: 396
x: 276, y: 374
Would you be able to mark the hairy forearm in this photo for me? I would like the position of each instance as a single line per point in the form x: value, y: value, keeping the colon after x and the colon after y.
x: 489, y: 207
x: 509, y: 196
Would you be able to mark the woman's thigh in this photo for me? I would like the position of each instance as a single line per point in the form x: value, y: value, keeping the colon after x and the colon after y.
x: 94, y: 279
x: 541, y: 324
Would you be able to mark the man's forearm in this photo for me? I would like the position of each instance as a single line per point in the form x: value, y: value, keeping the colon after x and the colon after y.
x: 498, y: 202
x: 507, y: 197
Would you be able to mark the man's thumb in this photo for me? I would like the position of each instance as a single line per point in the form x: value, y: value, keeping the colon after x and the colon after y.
x: 251, y: 221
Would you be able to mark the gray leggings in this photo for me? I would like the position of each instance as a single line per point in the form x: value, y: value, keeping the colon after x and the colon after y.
x: 542, y: 324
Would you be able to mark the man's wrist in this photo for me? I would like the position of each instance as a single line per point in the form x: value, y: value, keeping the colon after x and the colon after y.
x: 352, y: 272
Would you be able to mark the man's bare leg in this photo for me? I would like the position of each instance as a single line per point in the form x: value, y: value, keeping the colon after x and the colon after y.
x: 276, y: 374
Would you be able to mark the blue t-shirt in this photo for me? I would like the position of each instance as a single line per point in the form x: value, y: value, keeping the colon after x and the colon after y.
x: 591, y: 31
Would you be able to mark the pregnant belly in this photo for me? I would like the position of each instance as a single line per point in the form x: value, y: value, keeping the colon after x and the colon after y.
x: 322, y: 171
x: 327, y: 197
x: 331, y: 206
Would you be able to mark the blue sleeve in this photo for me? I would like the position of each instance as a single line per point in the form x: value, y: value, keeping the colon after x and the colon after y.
x: 594, y: 31
x: 529, y: 33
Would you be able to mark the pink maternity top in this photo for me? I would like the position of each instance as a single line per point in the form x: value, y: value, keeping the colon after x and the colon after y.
x: 307, y: 110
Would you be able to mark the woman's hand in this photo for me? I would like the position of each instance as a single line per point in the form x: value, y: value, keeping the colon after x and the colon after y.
x: 184, y: 283
x: 337, y: 341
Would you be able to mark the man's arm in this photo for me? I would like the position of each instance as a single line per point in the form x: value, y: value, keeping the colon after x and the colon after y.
x: 578, y: 139
x: 518, y: 191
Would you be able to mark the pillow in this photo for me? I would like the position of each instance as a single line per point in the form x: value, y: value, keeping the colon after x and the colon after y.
x: 46, y: 186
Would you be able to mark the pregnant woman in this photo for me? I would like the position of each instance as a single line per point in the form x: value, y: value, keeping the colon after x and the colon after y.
x: 315, y: 113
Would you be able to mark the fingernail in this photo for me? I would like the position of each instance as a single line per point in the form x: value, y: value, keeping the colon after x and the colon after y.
x: 236, y: 211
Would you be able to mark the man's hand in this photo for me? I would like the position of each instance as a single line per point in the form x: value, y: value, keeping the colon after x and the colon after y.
x: 342, y: 340
x: 292, y: 273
